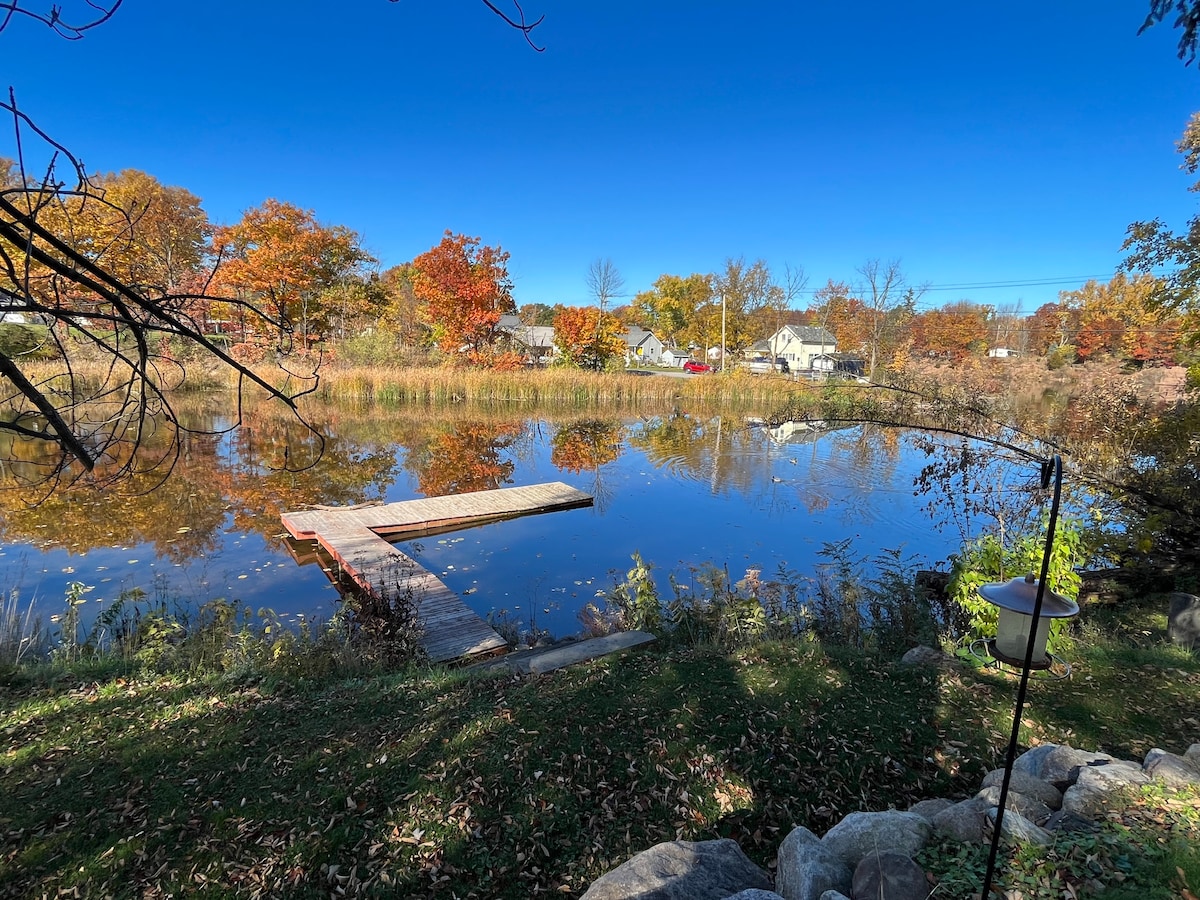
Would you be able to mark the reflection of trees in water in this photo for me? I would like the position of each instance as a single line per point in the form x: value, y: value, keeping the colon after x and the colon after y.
x: 216, y: 476
x: 976, y: 487
x: 464, y: 456
x: 730, y: 458
x: 588, y: 445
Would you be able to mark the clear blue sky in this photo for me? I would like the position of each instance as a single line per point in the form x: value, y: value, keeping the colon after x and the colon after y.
x: 978, y: 143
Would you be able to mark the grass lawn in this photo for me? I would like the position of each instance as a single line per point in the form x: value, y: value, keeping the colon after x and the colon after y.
x: 446, y: 784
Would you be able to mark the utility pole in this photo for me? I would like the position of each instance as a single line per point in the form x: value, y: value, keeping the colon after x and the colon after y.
x: 722, y: 331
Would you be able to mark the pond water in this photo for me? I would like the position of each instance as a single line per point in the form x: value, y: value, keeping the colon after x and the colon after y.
x: 682, y: 490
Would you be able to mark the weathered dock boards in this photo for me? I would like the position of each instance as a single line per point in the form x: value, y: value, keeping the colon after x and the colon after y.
x: 353, y: 537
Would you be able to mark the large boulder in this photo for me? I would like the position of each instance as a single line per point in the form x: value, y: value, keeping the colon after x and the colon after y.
x: 1015, y: 827
x: 1033, y: 810
x: 807, y: 868
x: 1183, y: 620
x: 888, y: 875
x: 681, y: 870
x: 834, y: 895
x: 1176, y: 771
x: 1027, y: 785
x: 754, y: 894
x: 861, y: 833
x: 1088, y: 797
x: 963, y: 821
x: 1192, y: 754
x: 928, y: 809
x: 1058, y: 764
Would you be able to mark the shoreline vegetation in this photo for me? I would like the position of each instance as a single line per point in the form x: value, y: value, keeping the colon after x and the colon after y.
x: 224, y: 754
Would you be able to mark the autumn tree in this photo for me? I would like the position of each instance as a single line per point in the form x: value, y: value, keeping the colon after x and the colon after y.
x: 1174, y: 258
x: 952, y: 332
x: 669, y: 307
x: 464, y: 288
x: 838, y: 311
x: 588, y: 338
x: 742, y: 292
x: 402, y: 315
x: 889, y: 303
x: 103, y: 303
x: 280, y: 257
x: 1123, y: 318
x: 1052, y: 325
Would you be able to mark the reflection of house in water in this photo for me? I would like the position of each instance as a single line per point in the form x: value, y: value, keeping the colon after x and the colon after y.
x: 791, y: 432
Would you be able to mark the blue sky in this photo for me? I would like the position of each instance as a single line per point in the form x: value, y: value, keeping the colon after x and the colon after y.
x: 977, y: 143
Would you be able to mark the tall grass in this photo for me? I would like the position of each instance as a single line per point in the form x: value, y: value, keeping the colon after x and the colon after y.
x: 21, y: 634
x: 431, y: 385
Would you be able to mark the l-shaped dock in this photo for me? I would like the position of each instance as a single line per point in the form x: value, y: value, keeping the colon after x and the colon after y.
x: 356, y: 538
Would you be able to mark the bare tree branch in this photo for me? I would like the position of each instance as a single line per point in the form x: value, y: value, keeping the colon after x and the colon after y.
x: 10, y: 9
x: 519, y: 23
x: 116, y: 419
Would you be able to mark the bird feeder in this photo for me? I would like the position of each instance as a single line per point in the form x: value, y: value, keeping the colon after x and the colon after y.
x: 1017, y: 601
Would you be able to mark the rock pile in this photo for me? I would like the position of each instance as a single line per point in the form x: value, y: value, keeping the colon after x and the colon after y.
x: 870, y: 854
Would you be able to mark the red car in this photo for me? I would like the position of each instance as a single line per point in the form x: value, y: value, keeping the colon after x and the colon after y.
x: 692, y: 366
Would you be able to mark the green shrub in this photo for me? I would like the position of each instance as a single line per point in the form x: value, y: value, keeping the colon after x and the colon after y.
x: 1060, y: 356
x: 987, y: 559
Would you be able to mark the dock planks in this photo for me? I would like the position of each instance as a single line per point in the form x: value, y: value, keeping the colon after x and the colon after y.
x: 354, y: 537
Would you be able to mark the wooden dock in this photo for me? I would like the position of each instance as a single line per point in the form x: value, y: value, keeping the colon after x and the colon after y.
x: 355, y: 538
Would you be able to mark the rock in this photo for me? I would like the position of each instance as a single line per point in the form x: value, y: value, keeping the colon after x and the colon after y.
x: 1028, y: 785
x: 1183, y: 620
x: 1031, y: 809
x: 1177, y: 771
x: 1192, y: 754
x: 1088, y: 797
x: 681, y: 870
x: 888, y: 875
x: 861, y: 833
x: 834, y: 895
x: 930, y: 808
x: 962, y: 821
x: 807, y: 868
x: 926, y: 656
x: 1016, y: 827
x: 754, y: 894
x: 1057, y: 764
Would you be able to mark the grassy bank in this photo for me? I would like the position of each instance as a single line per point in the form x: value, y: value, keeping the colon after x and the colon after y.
x: 441, y: 784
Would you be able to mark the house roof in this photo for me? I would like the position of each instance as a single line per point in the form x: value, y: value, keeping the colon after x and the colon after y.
x: 808, y: 334
x: 637, y: 336
x: 529, y: 335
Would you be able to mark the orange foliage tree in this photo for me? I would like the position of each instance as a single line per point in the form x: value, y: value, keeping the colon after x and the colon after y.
x: 588, y: 338
x: 464, y: 289
x: 279, y: 256
x: 1123, y: 318
x: 951, y: 332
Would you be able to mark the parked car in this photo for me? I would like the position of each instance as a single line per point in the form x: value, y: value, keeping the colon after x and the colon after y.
x: 696, y: 367
x: 764, y: 366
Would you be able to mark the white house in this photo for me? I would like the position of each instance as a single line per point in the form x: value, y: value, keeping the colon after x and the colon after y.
x: 674, y: 357
x: 798, y: 344
x: 642, y: 347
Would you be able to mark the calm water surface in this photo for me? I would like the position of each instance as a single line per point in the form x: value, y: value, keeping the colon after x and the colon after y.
x: 680, y: 490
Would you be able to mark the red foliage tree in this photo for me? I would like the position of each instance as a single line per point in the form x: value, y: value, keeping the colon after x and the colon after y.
x: 464, y: 289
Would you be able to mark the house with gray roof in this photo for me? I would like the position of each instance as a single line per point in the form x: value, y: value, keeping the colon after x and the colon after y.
x: 798, y: 344
x: 642, y: 347
x: 536, y: 341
